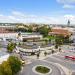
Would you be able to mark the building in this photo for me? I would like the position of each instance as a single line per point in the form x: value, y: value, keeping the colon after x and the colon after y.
x: 6, y: 36
x: 60, y: 31
x: 30, y: 36
x: 73, y: 35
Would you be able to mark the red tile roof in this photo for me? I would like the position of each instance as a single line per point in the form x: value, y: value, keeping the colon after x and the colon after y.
x: 62, y: 32
x: 4, y: 30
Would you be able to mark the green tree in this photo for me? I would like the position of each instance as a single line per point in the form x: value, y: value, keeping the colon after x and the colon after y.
x: 66, y: 39
x: 30, y: 29
x: 1, y: 70
x: 59, y: 40
x: 15, y: 64
x: 46, y: 41
x: 44, y: 31
x: 11, y: 46
x: 5, y: 69
x: 56, y: 46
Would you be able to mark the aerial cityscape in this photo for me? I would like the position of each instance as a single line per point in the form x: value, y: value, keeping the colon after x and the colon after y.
x: 37, y: 37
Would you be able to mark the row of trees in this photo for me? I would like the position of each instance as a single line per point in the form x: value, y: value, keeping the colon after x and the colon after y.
x: 33, y: 28
x: 10, y: 67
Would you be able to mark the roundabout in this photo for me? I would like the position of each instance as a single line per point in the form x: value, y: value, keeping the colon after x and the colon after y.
x: 42, y: 70
x: 30, y: 69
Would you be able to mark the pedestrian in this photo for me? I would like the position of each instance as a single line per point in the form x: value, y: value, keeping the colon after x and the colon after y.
x: 38, y: 55
x: 52, y: 51
x: 45, y: 53
x: 59, y: 49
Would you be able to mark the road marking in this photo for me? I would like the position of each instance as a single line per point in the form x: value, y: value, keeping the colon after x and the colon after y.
x: 70, y: 62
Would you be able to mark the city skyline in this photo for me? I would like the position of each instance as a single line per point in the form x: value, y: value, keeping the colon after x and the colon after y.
x: 39, y: 11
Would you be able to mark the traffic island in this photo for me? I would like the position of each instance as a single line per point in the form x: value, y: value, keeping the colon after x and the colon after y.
x: 42, y: 70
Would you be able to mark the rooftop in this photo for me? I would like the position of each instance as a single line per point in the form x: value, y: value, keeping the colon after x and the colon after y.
x: 63, y: 32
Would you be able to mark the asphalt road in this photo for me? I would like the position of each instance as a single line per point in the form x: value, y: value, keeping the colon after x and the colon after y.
x: 55, y: 58
x: 59, y: 58
x: 27, y: 70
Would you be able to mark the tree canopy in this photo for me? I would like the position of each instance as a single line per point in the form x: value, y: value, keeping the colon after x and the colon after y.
x: 15, y: 64
x: 10, y: 67
x: 11, y: 46
x: 5, y: 68
x: 44, y: 30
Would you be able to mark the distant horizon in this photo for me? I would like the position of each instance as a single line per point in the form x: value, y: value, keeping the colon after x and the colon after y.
x: 38, y: 24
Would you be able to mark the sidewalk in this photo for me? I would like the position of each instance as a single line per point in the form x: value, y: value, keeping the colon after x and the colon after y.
x: 41, y: 56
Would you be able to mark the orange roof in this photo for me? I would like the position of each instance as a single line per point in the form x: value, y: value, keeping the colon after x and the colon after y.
x: 60, y: 32
x: 4, y: 30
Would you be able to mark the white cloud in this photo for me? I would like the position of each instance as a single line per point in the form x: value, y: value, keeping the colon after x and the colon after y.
x: 22, y: 15
x: 19, y: 17
x: 66, y: 1
x: 66, y: 6
x: 71, y: 17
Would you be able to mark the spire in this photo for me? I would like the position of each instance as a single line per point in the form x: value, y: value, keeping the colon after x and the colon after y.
x: 68, y: 23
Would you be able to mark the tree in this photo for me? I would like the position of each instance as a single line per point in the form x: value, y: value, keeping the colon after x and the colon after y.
x: 15, y: 64
x: 66, y: 39
x: 30, y: 29
x: 5, y: 69
x: 45, y: 53
x: 11, y: 46
x: 10, y: 67
x: 1, y: 70
x: 56, y: 46
x: 59, y: 40
x: 46, y: 41
x: 44, y: 31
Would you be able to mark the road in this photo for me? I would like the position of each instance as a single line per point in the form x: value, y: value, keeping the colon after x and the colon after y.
x: 27, y: 70
x: 61, y: 60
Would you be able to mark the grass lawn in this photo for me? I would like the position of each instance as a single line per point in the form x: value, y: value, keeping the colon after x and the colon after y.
x: 51, y: 37
x: 42, y: 69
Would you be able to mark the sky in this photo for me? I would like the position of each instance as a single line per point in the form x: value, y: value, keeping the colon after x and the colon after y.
x: 37, y: 11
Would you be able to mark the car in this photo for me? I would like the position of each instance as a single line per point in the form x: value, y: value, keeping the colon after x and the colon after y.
x: 73, y: 58
x: 70, y: 57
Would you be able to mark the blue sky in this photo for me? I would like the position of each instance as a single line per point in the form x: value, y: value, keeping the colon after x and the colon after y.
x: 39, y: 11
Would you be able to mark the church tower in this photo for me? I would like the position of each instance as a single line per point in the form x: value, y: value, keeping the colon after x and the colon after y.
x: 68, y: 23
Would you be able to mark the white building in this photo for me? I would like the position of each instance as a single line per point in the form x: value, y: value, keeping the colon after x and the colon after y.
x: 73, y: 36
x: 16, y: 37
x: 31, y: 36
x: 7, y: 36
